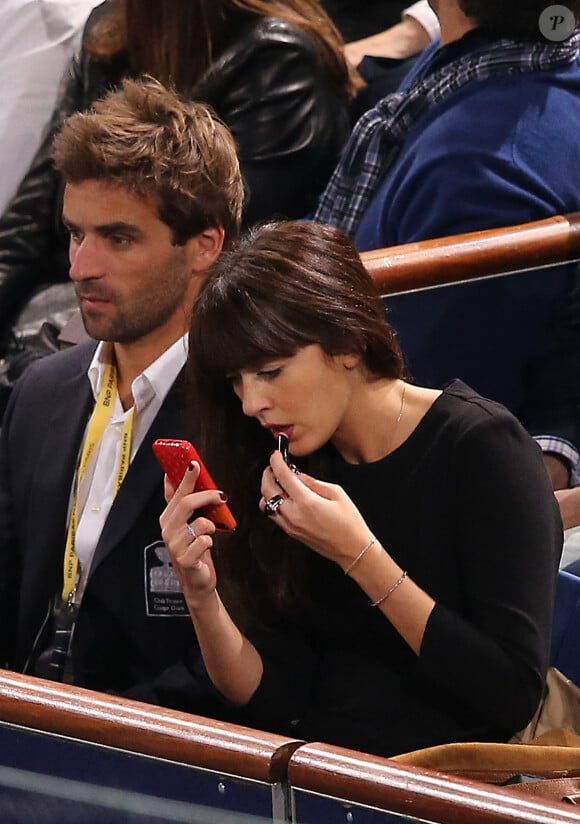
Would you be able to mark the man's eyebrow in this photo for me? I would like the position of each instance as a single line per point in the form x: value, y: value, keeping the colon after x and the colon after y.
x: 119, y: 226
x: 105, y: 229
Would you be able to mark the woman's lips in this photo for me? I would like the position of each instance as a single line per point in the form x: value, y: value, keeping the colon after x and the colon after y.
x: 281, y: 430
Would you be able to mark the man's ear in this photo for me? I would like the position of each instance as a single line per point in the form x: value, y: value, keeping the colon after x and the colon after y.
x: 204, y: 249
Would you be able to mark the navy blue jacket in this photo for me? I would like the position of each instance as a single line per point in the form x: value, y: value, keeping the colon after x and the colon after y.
x: 498, y: 152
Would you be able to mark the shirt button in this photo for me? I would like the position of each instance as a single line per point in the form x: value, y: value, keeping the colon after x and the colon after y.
x: 95, y: 509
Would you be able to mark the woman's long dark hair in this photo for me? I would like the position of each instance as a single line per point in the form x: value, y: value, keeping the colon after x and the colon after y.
x: 175, y: 41
x: 285, y: 286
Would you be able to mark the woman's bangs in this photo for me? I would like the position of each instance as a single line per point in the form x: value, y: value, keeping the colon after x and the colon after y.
x: 244, y: 337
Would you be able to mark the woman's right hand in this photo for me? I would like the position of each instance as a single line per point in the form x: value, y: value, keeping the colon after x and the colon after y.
x: 232, y: 662
x: 188, y: 541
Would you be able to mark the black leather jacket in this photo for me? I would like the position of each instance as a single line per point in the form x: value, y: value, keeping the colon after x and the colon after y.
x: 267, y: 85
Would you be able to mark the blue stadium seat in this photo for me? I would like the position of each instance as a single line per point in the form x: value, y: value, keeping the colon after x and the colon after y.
x: 565, y: 654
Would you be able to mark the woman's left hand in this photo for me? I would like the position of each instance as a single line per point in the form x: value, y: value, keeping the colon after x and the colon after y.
x: 320, y: 515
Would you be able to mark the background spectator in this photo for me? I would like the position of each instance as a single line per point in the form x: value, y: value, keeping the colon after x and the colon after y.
x: 37, y: 39
x: 463, y: 147
x: 384, y: 59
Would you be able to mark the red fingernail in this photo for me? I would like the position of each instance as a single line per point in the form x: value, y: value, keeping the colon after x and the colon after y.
x: 223, y: 497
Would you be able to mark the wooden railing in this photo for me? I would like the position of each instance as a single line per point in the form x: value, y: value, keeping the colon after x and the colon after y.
x: 475, y: 255
x: 339, y: 774
x: 135, y: 727
x: 423, y: 794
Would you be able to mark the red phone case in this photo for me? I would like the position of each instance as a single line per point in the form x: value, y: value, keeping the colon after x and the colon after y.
x: 175, y: 456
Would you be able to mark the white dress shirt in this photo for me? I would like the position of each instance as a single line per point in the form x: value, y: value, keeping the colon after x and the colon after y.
x: 37, y: 40
x: 97, y: 489
x: 424, y: 14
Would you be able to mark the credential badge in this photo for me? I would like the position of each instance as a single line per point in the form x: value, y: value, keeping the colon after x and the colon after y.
x: 163, y: 595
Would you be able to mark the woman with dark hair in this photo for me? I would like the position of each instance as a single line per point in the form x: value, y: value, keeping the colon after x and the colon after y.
x: 394, y: 592
x: 274, y: 72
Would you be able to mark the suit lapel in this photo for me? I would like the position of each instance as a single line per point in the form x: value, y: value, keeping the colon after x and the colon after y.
x: 64, y: 422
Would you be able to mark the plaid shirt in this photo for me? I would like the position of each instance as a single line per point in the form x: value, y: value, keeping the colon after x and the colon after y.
x: 565, y: 451
x: 378, y: 136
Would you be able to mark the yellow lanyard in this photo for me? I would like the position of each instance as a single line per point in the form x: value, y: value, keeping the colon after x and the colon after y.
x: 96, y: 428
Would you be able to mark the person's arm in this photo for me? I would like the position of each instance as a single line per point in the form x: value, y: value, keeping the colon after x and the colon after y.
x: 569, y: 503
x: 559, y: 469
x: 195, y: 683
x: 323, y: 517
x: 422, y: 12
x: 232, y: 662
x: 494, y: 653
x: 418, y: 27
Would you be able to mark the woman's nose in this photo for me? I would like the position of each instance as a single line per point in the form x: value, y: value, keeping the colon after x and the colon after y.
x: 253, y: 398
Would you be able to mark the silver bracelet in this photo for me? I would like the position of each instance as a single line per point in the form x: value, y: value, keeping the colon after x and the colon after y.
x: 390, y: 590
x: 365, y: 548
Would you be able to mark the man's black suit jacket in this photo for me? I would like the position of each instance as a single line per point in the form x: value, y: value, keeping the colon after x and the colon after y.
x: 133, y: 635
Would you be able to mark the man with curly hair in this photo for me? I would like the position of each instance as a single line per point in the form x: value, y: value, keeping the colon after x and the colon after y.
x: 483, y: 133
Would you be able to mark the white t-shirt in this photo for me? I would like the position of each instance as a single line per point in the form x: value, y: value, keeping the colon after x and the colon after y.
x: 37, y: 40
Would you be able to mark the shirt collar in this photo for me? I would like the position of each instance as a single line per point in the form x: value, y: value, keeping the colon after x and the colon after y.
x: 435, y: 56
x: 155, y: 381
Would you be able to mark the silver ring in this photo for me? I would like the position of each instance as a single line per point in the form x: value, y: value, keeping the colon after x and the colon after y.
x: 273, y: 504
x: 191, y: 531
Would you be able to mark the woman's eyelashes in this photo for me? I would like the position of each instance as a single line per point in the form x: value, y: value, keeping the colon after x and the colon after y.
x: 270, y: 374
x: 267, y: 373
